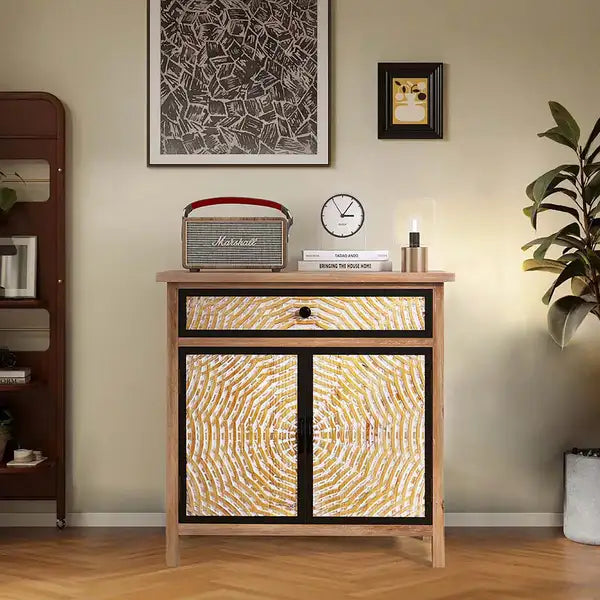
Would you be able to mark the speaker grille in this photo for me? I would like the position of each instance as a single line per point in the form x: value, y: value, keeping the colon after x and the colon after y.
x: 235, y: 244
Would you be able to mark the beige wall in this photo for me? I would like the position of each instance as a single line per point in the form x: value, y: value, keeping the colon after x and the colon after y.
x: 514, y: 401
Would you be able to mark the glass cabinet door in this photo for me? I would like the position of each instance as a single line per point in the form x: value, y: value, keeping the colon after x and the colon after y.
x: 240, y: 457
x: 370, y: 440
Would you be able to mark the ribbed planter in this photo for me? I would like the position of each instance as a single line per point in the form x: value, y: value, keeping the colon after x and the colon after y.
x: 582, y: 499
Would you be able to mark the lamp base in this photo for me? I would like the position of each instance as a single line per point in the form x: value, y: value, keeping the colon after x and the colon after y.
x: 414, y: 260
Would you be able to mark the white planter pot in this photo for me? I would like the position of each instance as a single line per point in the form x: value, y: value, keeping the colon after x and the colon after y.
x: 582, y: 499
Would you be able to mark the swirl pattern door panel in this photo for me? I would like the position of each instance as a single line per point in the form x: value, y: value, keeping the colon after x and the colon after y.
x: 407, y: 314
x: 241, y: 435
x: 369, y: 436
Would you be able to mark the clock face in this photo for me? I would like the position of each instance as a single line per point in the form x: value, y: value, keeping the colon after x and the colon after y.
x: 342, y: 215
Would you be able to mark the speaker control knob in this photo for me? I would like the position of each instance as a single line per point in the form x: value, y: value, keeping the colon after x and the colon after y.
x: 305, y: 312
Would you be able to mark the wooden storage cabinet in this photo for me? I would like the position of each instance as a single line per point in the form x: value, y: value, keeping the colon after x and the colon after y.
x: 326, y: 312
x: 307, y: 436
x: 287, y: 423
x: 240, y: 456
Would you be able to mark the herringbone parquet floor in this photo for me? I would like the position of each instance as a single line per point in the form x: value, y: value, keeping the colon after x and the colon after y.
x: 128, y: 564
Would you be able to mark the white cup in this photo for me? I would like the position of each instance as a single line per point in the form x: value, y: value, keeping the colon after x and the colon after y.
x: 23, y: 456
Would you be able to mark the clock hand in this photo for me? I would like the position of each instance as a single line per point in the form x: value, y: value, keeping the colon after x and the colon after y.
x: 338, y: 208
x: 347, y: 209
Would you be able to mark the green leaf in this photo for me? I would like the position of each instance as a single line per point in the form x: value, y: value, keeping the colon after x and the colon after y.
x: 546, y: 184
x: 590, y: 169
x: 565, y: 316
x: 555, y: 134
x: 593, y: 155
x: 592, y: 189
x: 580, y: 286
x: 569, y: 242
x: 528, y: 210
x: 567, y: 256
x: 560, y: 238
x: 550, y: 266
x: 595, y: 133
x: 574, y: 269
x: 550, y: 180
x: 568, y: 175
x: 8, y: 198
x: 567, y: 125
x: 594, y: 260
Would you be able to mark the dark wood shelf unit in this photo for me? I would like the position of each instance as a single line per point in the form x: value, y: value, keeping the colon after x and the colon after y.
x: 32, y: 127
x: 33, y: 471
x: 21, y: 303
x: 19, y: 387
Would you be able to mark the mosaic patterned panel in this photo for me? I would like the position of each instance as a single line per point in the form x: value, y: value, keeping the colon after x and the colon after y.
x: 376, y: 313
x: 369, y: 436
x: 241, y: 435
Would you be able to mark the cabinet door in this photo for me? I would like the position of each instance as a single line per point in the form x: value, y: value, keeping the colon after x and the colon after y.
x: 371, y: 436
x: 239, y: 443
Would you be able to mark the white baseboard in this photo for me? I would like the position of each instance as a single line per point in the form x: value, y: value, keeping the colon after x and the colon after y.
x: 504, y: 519
x: 84, y: 520
x: 158, y: 520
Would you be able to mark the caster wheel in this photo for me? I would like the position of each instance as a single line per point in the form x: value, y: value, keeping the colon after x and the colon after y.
x: 61, y: 523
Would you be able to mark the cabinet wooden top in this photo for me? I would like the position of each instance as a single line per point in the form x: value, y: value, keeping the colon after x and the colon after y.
x: 291, y: 277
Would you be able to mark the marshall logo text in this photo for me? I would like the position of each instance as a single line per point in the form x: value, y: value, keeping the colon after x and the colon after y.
x: 224, y: 241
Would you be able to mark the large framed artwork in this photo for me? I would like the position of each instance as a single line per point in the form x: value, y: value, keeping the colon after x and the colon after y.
x: 410, y: 100
x: 235, y: 82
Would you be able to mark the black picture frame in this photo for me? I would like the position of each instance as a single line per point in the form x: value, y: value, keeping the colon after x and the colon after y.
x: 434, y: 74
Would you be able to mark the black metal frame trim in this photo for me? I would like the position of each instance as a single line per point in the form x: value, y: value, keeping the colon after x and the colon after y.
x: 305, y: 415
x: 184, y: 294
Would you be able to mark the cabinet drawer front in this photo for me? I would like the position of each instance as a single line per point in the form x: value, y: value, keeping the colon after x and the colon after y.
x: 370, y: 438
x: 407, y: 314
x: 239, y: 457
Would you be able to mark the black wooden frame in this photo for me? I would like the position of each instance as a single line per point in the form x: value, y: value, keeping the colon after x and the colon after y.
x: 184, y: 294
x: 305, y: 416
x: 434, y: 72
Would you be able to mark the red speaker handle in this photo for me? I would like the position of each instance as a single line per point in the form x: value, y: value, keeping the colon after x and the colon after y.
x: 247, y: 201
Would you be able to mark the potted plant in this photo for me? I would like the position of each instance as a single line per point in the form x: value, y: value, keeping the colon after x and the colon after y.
x: 6, y: 421
x: 576, y: 261
x: 8, y: 196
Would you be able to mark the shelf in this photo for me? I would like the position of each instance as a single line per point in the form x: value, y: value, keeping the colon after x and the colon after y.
x: 22, y: 303
x: 19, y: 387
x: 47, y: 464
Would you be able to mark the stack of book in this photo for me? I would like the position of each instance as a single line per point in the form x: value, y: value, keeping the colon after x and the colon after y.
x: 345, y: 260
x: 15, y: 376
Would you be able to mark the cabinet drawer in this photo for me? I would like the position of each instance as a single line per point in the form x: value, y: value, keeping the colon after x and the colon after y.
x: 309, y: 313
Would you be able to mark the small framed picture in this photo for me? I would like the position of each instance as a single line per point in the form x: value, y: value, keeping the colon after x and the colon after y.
x: 18, y: 264
x: 410, y: 101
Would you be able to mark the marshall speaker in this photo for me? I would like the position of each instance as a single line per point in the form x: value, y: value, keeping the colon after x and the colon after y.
x: 235, y: 242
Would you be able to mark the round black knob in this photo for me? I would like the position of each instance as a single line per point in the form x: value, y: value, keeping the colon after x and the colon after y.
x: 305, y: 312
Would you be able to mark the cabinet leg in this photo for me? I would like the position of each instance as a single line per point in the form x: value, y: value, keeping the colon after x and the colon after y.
x: 172, y: 551
x: 438, y: 550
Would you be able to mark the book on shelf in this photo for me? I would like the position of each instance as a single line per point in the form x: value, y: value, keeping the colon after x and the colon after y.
x: 15, y: 380
x: 345, y: 265
x: 17, y: 372
x: 339, y: 255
